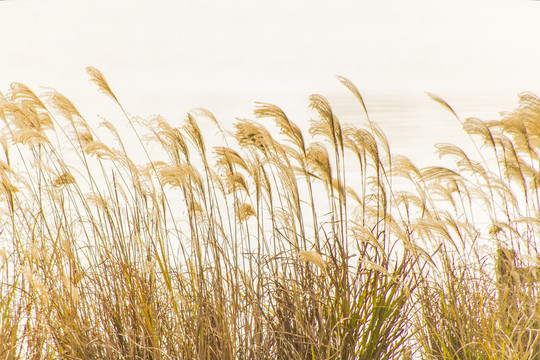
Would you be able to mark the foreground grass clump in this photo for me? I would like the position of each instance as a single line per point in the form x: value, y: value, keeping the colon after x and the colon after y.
x: 272, y: 245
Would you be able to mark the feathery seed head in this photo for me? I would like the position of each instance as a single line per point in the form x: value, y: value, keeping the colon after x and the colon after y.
x: 64, y: 179
x: 97, y: 78
x: 249, y: 133
x: 314, y: 258
x: 319, y: 161
x: 244, y: 211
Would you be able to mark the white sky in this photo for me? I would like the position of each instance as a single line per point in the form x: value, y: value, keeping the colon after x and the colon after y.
x: 167, y: 56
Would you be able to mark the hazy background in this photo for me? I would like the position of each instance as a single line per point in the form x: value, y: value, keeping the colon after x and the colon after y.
x: 168, y: 56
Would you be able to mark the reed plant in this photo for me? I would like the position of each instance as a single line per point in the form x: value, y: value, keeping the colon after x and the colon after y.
x: 272, y: 244
x: 481, y: 302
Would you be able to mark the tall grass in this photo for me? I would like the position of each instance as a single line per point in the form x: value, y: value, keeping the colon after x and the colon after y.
x: 274, y: 244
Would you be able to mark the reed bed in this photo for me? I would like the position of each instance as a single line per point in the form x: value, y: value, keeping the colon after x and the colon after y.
x: 274, y: 244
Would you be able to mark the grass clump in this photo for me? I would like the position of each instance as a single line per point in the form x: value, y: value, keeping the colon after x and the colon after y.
x: 275, y: 244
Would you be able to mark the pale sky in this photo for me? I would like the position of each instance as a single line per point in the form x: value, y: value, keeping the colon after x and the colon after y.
x: 167, y: 56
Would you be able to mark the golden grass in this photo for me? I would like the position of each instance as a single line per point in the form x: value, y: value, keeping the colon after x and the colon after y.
x: 290, y: 246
